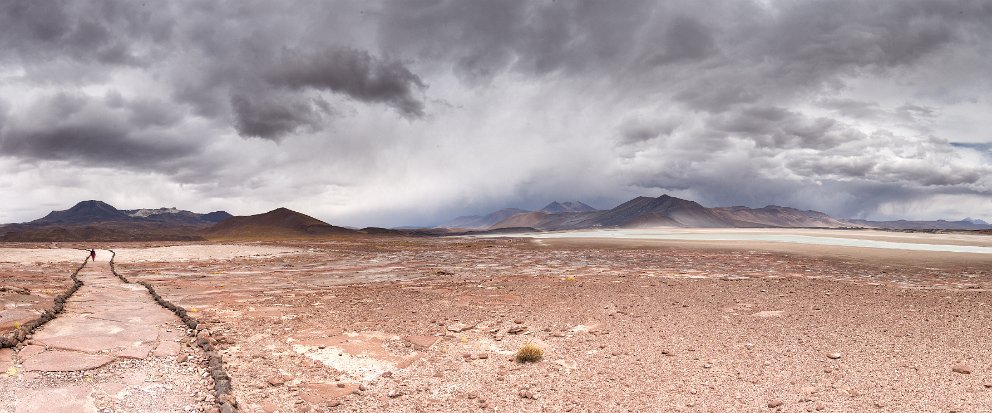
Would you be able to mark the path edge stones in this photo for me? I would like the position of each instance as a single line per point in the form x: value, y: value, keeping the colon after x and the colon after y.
x: 19, y: 335
x: 215, y: 364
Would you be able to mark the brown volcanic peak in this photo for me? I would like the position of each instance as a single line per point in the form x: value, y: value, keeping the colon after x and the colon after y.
x: 278, y: 223
x: 662, y: 211
x: 85, y: 212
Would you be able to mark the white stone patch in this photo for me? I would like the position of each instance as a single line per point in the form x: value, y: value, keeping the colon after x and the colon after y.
x: 363, y: 367
x: 768, y: 313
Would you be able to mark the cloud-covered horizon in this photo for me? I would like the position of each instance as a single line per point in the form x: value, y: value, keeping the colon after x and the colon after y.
x: 398, y: 112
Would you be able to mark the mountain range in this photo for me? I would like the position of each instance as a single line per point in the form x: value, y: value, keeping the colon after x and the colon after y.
x: 88, y: 212
x: 98, y: 221
x: 668, y: 211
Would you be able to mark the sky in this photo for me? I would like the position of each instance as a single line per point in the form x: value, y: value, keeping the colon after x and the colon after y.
x: 411, y: 112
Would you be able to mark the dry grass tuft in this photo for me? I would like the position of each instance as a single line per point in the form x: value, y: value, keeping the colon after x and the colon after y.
x: 529, y: 353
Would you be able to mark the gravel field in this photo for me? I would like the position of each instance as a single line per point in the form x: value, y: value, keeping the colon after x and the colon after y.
x: 397, y: 324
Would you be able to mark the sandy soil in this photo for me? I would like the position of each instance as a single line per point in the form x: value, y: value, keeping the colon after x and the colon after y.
x: 432, y: 324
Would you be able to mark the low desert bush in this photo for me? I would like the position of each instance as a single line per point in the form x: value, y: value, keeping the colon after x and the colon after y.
x: 529, y: 353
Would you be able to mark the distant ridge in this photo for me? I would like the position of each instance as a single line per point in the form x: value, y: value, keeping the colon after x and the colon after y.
x: 94, y: 220
x: 669, y: 211
x: 556, y: 207
x: 278, y: 223
x: 482, y: 221
x: 779, y: 216
x: 965, y: 224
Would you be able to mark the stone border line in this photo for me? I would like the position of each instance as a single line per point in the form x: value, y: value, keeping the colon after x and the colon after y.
x: 222, y: 382
x: 18, y: 336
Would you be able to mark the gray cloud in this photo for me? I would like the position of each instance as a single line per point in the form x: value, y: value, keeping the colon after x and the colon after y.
x: 852, y: 108
x: 352, y: 72
x: 780, y: 128
x: 638, y: 129
x: 406, y: 111
x: 78, y: 128
x: 273, y: 115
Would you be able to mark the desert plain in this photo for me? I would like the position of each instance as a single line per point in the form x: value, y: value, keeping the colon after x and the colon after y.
x: 421, y: 324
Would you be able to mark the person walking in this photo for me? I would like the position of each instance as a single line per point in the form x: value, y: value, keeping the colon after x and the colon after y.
x: 93, y: 255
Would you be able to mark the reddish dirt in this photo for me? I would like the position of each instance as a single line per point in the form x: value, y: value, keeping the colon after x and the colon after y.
x: 432, y: 324
x: 28, y: 288
x: 112, y: 349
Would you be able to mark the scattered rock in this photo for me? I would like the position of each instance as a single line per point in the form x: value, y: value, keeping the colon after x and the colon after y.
x: 961, y: 368
x: 834, y: 356
x: 421, y: 342
x: 459, y: 327
x: 774, y: 403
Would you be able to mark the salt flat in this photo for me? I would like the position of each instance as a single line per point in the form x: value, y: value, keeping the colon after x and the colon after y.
x: 954, y: 242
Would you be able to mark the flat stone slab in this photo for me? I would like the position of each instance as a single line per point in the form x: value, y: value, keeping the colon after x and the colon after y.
x: 6, y: 359
x: 167, y: 348
x: 140, y: 351
x: 65, y: 361
x: 325, y: 394
x: 74, y: 399
x: 31, y: 350
x: 421, y: 342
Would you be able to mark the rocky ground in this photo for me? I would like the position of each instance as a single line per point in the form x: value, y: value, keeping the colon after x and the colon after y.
x: 29, y: 281
x: 395, y: 324
x: 112, y: 350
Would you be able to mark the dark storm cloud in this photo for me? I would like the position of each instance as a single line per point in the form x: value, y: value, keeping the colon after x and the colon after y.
x: 685, y: 39
x: 233, y: 64
x: 485, y: 38
x: 779, y: 128
x: 639, y: 129
x: 352, y: 72
x: 273, y: 115
x: 78, y: 128
x: 102, y: 31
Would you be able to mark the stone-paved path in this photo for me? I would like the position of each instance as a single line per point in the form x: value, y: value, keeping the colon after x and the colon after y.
x: 113, y: 349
